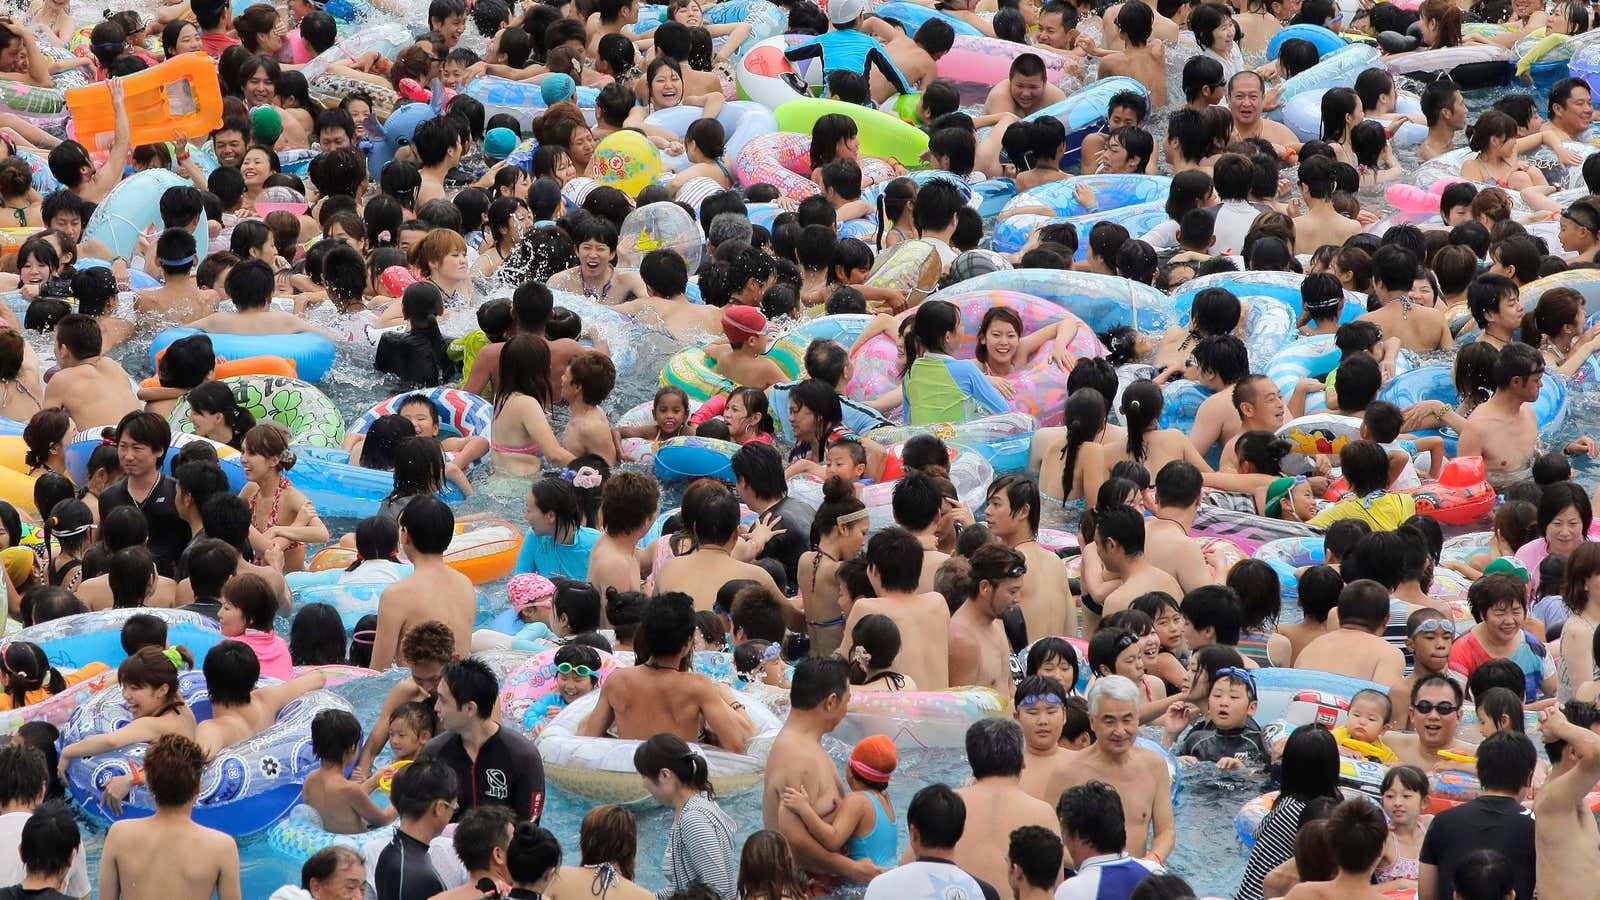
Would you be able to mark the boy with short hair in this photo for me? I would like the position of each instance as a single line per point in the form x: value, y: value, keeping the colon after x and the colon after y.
x: 460, y: 451
x: 1040, y: 708
x: 847, y: 458
x: 1361, y: 737
x: 1228, y: 735
x: 740, y: 358
x: 345, y: 806
x: 1496, y: 306
x: 1382, y: 423
x: 92, y: 387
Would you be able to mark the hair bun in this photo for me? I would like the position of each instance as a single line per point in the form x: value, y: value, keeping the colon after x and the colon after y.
x: 837, y: 489
x: 287, y: 459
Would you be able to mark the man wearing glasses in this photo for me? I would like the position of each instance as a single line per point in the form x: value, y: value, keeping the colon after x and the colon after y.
x: 979, y: 652
x: 1435, y: 714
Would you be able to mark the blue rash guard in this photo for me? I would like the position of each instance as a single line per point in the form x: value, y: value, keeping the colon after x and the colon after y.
x: 849, y: 49
x: 941, y: 388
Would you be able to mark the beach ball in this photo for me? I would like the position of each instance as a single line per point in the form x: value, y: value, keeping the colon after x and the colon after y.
x: 626, y: 160
x: 660, y: 226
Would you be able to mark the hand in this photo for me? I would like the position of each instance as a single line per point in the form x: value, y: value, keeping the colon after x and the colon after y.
x: 1229, y: 764
x: 861, y: 871
x: 1366, y: 217
x: 1567, y: 157
x: 1582, y: 446
x: 1084, y: 196
x: 765, y: 529
x: 795, y: 797
x: 1386, y: 369
x: 1349, y: 752
x: 116, y: 789
x: 1003, y: 385
x: 959, y: 512
x: 1177, y: 717
x: 1551, y: 719
x: 1085, y: 43
x: 1296, y: 208
x: 1061, y: 355
x: 118, y: 91
x: 363, y: 768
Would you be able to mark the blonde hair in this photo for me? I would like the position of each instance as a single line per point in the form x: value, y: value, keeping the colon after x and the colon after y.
x: 434, y: 247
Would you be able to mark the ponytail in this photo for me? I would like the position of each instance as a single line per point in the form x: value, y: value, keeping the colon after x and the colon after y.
x: 1141, y: 407
x: 673, y: 754
x: 27, y: 670
x: 932, y: 323
x: 1085, y: 419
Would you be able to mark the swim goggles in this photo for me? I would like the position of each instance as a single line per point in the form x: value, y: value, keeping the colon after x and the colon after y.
x: 1249, y: 680
x: 1427, y: 625
x: 1443, y: 708
x: 773, y: 651
x: 1046, y: 699
x: 570, y: 669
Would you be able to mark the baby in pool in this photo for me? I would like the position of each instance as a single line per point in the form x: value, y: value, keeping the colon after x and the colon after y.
x: 533, y: 597
x: 1361, y: 737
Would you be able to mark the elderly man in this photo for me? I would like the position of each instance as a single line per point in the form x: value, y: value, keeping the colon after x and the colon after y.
x: 1139, y: 774
x: 333, y: 873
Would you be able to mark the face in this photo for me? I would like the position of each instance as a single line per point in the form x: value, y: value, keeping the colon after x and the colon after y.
x: 666, y: 87
x: 453, y: 266
x: 595, y: 256
x: 34, y: 271
x: 1430, y: 30
x: 259, y: 90
x: 839, y: 461
x: 272, y: 41
x: 452, y: 29
x: 1565, y: 531
x: 256, y: 465
x: 1114, y: 158
x: 1436, y: 726
x: 451, y: 716
x: 255, y: 167
x: 582, y: 145
x: 1431, y: 648
x: 189, y: 40
x: 1169, y: 628
x: 137, y: 459
x: 205, y: 423
x: 1051, y: 34
x: 1229, y: 703
x: 670, y: 413
x: 1027, y: 90
x: 144, y: 700
x: 453, y: 74
x: 689, y: 15
x: 1366, y: 720
x: 1192, y: 638
x: 1578, y: 111
x: 358, y: 110
x: 404, y: 739
x: 1007, y: 593
x: 1421, y: 292
x: 422, y: 417
x: 572, y: 685
x: 1116, y: 724
x: 67, y: 223
x: 347, y: 883
x: 231, y: 618
x: 330, y: 139
x: 1041, y: 724
x: 1245, y: 100
x: 427, y: 676
x: 1575, y: 237
x: 802, y: 421
x: 1304, y: 501
x: 1002, y: 339
x: 1059, y: 669
x: 1130, y: 662
x: 540, y: 521
x: 1505, y: 620
x: 1400, y: 803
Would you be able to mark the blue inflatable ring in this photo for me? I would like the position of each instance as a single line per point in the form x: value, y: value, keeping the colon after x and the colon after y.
x: 312, y: 353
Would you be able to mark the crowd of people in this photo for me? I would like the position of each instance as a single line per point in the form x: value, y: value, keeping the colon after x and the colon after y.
x: 1124, y: 654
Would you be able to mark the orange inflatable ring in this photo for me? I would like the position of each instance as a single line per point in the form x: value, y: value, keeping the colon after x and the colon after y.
x: 483, y: 551
x: 1461, y: 496
x: 249, y: 365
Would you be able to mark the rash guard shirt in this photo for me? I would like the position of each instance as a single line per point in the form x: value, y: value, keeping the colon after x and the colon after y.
x: 507, y: 772
x: 849, y: 49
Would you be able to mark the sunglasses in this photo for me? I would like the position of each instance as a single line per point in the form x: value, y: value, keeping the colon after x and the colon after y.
x: 1443, y: 708
x: 570, y: 669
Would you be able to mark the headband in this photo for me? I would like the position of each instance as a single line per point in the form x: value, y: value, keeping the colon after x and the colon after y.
x: 868, y: 772
x: 850, y: 517
x: 177, y: 262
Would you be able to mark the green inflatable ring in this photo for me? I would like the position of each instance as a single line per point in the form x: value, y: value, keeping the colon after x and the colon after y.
x: 695, y: 372
x: 309, y: 416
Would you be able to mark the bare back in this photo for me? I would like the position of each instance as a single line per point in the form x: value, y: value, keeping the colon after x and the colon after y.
x: 995, y: 808
x: 168, y: 856
x: 702, y: 573
x: 924, y: 623
x: 1047, y: 604
x: 94, y: 394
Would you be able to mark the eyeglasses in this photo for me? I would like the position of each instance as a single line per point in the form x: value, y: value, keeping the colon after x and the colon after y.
x: 1443, y: 708
x: 1249, y: 680
x: 1427, y: 625
x: 570, y: 669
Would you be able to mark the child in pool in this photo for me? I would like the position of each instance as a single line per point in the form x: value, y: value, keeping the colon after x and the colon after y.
x: 710, y: 631
x: 1128, y: 660
x: 1405, y: 795
x: 1361, y: 737
x: 533, y: 597
x: 847, y: 459
x: 27, y: 676
x: 1514, y: 525
x: 1055, y: 658
x: 863, y: 826
x: 346, y: 806
x: 1499, y: 709
x: 671, y: 414
x: 1227, y: 736
x: 577, y: 671
x: 1163, y: 661
x: 761, y: 661
x: 1076, y: 733
x: 411, y: 726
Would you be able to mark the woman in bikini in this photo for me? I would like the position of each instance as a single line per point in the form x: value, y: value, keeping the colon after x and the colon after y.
x: 704, y: 143
x: 1076, y: 463
x: 441, y: 257
x: 21, y: 201
x: 19, y: 381
x: 282, y: 519
x: 838, y: 532
x: 67, y: 530
x: 521, y: 437
x: 607, y: 843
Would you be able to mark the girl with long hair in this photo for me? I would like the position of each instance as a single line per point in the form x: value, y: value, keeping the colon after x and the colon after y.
x: 939, y: 387
x: 287, y: 521
x: 677, y: 777
x: 1077, y: 462
x: 521, y: 433
x: 838, y: 533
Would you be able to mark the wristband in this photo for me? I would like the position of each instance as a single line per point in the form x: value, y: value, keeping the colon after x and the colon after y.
x: 138, y: 773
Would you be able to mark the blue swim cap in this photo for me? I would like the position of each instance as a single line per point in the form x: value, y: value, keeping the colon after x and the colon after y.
x: 498, y: 143
x: 556, y: 88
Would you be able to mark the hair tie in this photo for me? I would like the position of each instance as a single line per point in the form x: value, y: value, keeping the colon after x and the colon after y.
x: 109, y: 442
x: 586, y: 478
x: 364, y: 637
x: 1133, y: 404
x: 174, y: 657
x: 383, y: 235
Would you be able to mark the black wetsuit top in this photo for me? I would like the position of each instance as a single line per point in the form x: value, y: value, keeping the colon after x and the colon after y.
x: 508, y: 772
x: 404, y: 871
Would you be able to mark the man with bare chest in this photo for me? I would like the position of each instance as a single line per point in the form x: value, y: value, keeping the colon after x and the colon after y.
x: 1566, y: 841
x: 819, y: 697
x: 894, y: 569
x: 979, y: 652
x: 996, y: 803
x: 1138, y: 773
x: 1504, y: 429
x: 1012, y: 513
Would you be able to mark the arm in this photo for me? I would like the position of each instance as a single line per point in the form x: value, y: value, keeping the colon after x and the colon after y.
x: 384, y: 645
x: 811, y: 49
x: 228, y: 872
x: 1427, y: 882
x: 1391, y: 668
x: 1563, y: 794
x: 979, y: 388
x: 845, y: 821
x: 121, y: 141
x: 137, y: 731
x: 277, y: 696
x: 879, y: 59
x: 1165, y: 837
x: 596, y: 723
x: 1206, y: 431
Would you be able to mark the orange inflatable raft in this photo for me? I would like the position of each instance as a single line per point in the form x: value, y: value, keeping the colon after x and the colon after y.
x: 247, y: 365
x: 483, y: 551
x: 1461, y: 496
x: 180, y: 96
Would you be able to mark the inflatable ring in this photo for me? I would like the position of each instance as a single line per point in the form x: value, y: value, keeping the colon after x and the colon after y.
x: 881, y: 134
x: 692, y: 456
x: 1040, y: 387
x: 765, y: 19
x: 57, y: 708
x: 969, y: 472
x: 1461, y: 496
x: 524, y: 692
x: 133, y: 206
x: 978, y: 63
x: 642, y: 449
x: 245, y: 788
x: 484, y: 550
x: 1103, y: 302
x: 388, y: 39
x: 300, y: 834
x: 918, y: 720
x: 311, y: 353
x: 741, y: 120
x: 1303, y: 115
x: 1110, y: 192
x: 1247, y: 530
x: 783, y: 160
x: 1336, y: 69
x: 911, y: 16
x: 461, y: 413
x: 1323, y: 39
x: 1288, y: 555
x: 695, y: 372
x: 601, y: 769
x: 1084, y: 112
x: 308, y: 415
x: 32, y: 100
x: 1437, y: 382
x: 1004, y: 439
x: 337, y: 488
x: 1013, y: 232
x: 1468, y: 65
x: 250, y: 365
x: 1277, y: 690
x: 1315, y: 357
x: 74, y: 641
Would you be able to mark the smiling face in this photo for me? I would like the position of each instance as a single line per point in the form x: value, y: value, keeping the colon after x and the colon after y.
x: 669, y: 413
x: 231, y: 619
x: 1052, y: 34
x: 256, y: 167
x: 256, y: 466
x: 404, y: 739
x: 1002, y: 341
x: 1565, y: 531
x: 188, y: 40
x: 1115, y: 724
x: 1114, y: 158
x: 259, y: 89
x: 666, y: 87
x: 1504, y: 620
x: 689, y: 15
x: 1576, y: 114
x: 229, y: 147
x: 144, y: 700
x: 572, y: 685
x: 34, y: 271
x: 1437, y: 726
